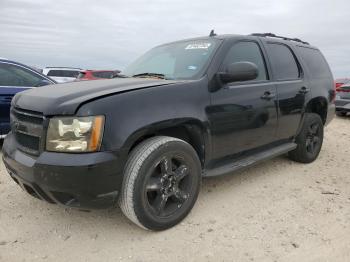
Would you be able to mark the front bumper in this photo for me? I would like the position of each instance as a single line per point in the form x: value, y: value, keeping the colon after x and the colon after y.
x: 84, y: 181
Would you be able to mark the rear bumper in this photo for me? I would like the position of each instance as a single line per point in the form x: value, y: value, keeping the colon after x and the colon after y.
x: 85, y: 181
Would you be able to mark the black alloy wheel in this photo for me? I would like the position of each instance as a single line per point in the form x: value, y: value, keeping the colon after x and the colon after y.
x: 169, y: 186
x: 313, y: 138
x: 309, y: 140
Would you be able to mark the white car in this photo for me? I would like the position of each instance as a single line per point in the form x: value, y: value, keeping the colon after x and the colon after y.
x: 62, y: 74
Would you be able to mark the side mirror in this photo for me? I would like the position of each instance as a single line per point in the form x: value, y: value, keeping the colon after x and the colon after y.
x: 239, y: 71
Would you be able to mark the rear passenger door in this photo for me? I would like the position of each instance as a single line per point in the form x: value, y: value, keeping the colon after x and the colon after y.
x: 292, y: 88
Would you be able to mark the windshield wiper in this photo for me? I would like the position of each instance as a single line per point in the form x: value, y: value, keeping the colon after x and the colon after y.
x: 160, y: 76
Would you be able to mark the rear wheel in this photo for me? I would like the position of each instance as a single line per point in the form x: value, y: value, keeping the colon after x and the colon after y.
x: 309, y: 141
x: 161, y: 183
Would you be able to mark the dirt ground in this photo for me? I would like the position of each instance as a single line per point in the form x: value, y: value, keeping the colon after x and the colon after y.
x: 276, y: 211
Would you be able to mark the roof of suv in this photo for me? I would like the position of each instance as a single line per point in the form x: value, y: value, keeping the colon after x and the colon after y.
x: 283, y: 39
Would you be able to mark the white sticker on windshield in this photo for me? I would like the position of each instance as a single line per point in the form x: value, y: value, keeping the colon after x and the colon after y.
x: 198, y: 46
x: 191, y: 67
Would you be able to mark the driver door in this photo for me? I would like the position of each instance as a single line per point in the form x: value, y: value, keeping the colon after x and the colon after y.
x: 243, y: 115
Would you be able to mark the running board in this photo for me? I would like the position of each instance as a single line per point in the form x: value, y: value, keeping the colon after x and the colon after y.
x: 250, y: 160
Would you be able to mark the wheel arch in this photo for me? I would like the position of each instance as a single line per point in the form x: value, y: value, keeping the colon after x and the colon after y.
x: 190, y: 130
x: 318, y: 105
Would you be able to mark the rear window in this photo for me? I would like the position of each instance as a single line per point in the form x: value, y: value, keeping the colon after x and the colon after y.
x: 63, y: 73
x: 315, y: 62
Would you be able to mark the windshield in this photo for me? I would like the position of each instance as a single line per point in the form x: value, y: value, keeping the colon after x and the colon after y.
x: 180, y: 60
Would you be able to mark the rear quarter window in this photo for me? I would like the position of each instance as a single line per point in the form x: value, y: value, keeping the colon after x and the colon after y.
x: 315, y: 62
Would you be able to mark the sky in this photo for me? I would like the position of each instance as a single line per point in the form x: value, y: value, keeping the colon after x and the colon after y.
x: 109, y: 34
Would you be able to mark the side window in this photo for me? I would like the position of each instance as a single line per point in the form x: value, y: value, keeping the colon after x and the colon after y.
x: 283, y: 62
x: 12, y: 75
x: 103, y: 74
x: 54, y: 73
x: 63, y: 73
x: 315, y: 61
x: 247, y: 52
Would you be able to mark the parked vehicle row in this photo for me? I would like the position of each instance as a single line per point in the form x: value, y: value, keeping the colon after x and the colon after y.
x: 69, y: 74
x: 96, y: 74
x: 16, y: 77
x: 185, y: 110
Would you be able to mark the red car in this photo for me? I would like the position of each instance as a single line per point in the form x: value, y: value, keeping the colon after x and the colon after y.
x: 96, y: 74
x: 341, y: 81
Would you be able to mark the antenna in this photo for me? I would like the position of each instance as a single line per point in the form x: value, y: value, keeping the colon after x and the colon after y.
x: 212, y: 33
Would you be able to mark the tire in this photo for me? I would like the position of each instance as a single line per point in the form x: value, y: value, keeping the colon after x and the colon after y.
x: 161, y: 183
x: 309, y: 141
x: 340, y: 113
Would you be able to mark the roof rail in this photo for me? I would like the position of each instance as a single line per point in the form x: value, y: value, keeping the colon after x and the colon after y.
x: 281, y: 37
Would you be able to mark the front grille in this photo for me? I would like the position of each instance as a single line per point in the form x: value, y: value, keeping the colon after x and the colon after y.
x: 27, y: 127
x: 28, y: 116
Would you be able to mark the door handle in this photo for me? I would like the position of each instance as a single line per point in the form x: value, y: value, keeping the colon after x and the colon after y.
x: 268, y: 95
x: 304, y: 90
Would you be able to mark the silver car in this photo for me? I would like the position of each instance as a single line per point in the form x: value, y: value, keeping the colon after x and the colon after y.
x: 342, y: 100
x: 62, y: 74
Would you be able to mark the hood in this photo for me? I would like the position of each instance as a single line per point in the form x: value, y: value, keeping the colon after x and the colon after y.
x: 64, y: 99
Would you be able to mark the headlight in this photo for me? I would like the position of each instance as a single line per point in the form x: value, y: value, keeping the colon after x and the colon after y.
x: 75, y: 134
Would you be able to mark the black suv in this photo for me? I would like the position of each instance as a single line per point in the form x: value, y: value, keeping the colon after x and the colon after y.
x: 185, y: 110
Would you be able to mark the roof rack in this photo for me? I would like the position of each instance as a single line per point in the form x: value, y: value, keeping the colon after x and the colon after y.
x: 281, y: 37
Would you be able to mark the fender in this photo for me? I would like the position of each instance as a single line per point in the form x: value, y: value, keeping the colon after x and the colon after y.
x: 188, y: 129
x: 145, y: 112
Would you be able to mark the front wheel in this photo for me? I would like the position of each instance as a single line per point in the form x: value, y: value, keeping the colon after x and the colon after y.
x: 161, y: 183
x: 309, y: 141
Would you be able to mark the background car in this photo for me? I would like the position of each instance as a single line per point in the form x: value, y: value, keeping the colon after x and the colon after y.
x: 97, y: 74
x: 62, y: 74
x: 341, y: 81
x: 342, y: 99
x: 15, y: 77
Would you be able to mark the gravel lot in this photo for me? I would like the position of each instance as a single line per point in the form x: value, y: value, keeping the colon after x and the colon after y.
x: 276, y: 211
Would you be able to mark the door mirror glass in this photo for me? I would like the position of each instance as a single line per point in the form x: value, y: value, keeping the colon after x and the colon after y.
x: 239, y: 71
